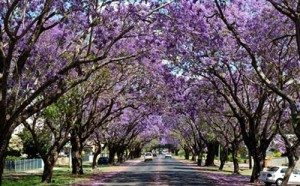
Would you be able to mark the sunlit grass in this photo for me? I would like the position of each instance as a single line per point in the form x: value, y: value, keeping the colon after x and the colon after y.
x: 27, y: 180
x: 61, y: 176
x: 228, y: 169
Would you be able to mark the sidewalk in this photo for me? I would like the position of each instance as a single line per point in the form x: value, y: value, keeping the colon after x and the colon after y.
x: 220, y: 178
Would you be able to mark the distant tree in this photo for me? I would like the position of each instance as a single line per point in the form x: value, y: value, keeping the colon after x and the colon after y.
x: 29, y: 146
x: 15, y: 146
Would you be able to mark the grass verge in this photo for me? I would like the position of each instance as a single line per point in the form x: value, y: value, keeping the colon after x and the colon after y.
x: 61, y: 176
x: 228, y: 168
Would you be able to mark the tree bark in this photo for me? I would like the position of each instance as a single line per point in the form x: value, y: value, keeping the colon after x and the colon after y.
x: 120, y: 155
x: 293, y: 158
x: 236, y: 168
x: 135, y: 153
x: 297, y: 27
x: 4, y: 141
x: 111, y: 156
x: 223, y: 157
x: 138, y: 152
x: 176, y: 152
x: 257, y: 167
x: 126, y: 155
x: 296, y: 114
x: 76, y: 149
x: 96, y: 154
x: 49, y: 162
x: 186, y: 153
x: 193, y: 157
x: 212, y: 148
x: 200, y: 156
x: 250, y: 161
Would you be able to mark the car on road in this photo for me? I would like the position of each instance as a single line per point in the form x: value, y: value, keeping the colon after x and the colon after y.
x: 168, y: 156
x: 275, y: 174
x: 103, y: 161
x: 148, y: 156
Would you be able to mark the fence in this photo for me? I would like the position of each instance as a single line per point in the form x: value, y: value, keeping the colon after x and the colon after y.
x: 87, y: 158
x: 23, y: 165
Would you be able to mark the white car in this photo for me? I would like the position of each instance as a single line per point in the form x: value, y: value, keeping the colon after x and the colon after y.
x: 168, y: 156
x: 148, y: 156
x: 275, y: 175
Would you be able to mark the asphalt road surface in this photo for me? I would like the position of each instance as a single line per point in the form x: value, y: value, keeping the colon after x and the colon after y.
x: 160, y: 171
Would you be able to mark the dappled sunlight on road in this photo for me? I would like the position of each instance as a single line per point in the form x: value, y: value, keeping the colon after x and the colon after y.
x: 162, y: 171
x: 159, y: 172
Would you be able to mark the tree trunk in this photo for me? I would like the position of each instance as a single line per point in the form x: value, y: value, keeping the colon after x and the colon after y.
x: 135, y: 153
x: 212, y: 149
x: 293, y: 158
x: 193, y: 157
x: 258, y: 166
x: 77, y: 149
x: 250, y: 161
x: 186, y: 153
x: 176, y: 152
x: 126, y: 155
x: 4, y: 141
x: 236, y: 168
x: 49, y: 162
x: 120, y: 155
x: 138, y: 152
x: 297, y: 27
x: 199, y: 161
x: 111, y: 156
x: 131, y: 154
x: 96, y: 154
x: 223, y: 157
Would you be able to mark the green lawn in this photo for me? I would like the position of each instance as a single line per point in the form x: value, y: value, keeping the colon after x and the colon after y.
x: 61, y: 176
x: 227, y: 169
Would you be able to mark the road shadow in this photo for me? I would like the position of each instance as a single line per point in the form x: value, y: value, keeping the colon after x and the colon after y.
x: 157, y: 178
x: 166, y: 172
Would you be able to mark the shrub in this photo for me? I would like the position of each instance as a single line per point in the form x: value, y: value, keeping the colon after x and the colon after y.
x: 13, y: 158
x: 277, y: 153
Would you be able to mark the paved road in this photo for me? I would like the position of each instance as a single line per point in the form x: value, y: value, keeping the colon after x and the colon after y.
x: 158, y: 172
